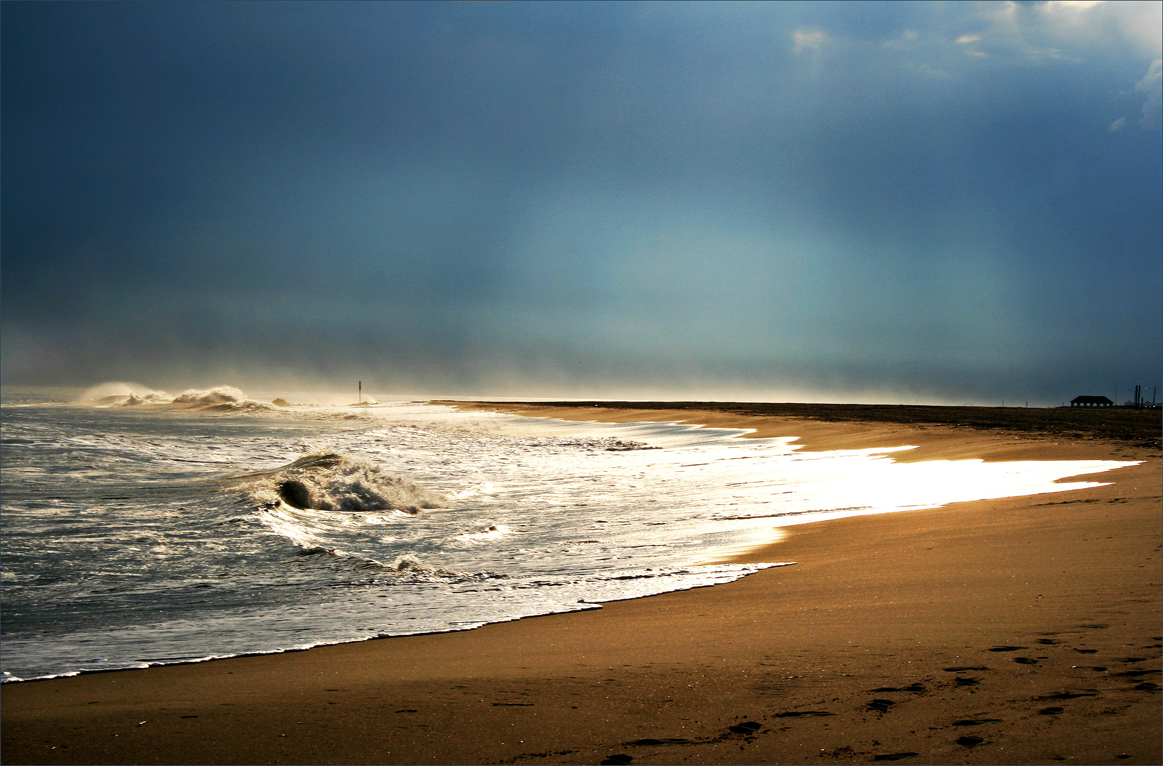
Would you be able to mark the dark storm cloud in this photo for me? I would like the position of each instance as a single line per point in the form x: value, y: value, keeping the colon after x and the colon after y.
x: 958, y: 200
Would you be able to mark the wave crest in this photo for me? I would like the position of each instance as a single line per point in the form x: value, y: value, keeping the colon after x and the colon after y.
x: 217, y: 399
x: 217, y: 395
x: 120, y: 394
x: 328, y: 481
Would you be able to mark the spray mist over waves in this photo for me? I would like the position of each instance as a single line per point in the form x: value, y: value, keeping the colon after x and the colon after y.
x: 227, y: 399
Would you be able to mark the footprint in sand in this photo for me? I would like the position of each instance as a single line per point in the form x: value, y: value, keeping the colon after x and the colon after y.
x: 1064, y: 695
x: 747, y: 727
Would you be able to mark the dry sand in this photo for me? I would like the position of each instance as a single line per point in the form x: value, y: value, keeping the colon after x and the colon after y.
x: 1022, y: 630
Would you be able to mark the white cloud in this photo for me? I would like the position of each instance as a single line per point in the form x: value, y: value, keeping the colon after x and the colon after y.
x: 1118, y: 125
x: 1142, y: 26
x: 1152, y: 85
x: 806, y: 39
x: 1138, y: 25
x: 1074, y: 31
x: 1078, y: 5
x: 906, y: 41
x: 967, y: 40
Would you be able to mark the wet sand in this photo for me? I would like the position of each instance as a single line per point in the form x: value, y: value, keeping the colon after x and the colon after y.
x: 1021, y: 630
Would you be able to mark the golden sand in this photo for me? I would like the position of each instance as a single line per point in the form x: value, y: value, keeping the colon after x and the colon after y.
x: 1021, y: 630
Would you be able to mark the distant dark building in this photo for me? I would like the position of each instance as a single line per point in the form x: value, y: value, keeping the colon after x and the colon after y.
x: 1091, y: 401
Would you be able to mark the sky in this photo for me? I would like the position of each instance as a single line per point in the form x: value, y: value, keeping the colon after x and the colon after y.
x: 883, y: 202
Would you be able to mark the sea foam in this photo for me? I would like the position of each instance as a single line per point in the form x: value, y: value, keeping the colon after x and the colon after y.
x: 168, y: 533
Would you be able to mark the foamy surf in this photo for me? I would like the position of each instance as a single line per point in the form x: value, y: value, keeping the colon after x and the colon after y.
x: 329, y: 481
x: 159, y: 531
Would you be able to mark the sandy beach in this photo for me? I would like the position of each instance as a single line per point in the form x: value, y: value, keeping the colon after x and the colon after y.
x: 1023, y: 630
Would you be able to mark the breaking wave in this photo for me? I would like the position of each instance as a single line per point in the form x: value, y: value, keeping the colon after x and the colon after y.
x: 328, y: 481
x: 218, y: 399
x: 226, y: 399
x: 120, y: 394
x: 340, y: 510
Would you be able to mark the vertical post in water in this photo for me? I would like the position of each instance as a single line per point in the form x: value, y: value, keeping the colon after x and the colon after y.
x: 361, y: 392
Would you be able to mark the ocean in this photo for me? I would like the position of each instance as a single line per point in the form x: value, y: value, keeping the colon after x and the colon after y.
x: 140, y: 528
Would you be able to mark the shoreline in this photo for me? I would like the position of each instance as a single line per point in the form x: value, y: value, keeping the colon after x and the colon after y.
x: 830, y: 426
x: 947, y: 633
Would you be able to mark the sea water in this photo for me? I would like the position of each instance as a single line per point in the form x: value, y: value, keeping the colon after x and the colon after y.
x: 139, y: 528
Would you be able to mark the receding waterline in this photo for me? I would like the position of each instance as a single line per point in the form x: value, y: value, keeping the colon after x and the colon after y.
x: 215, y: 526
